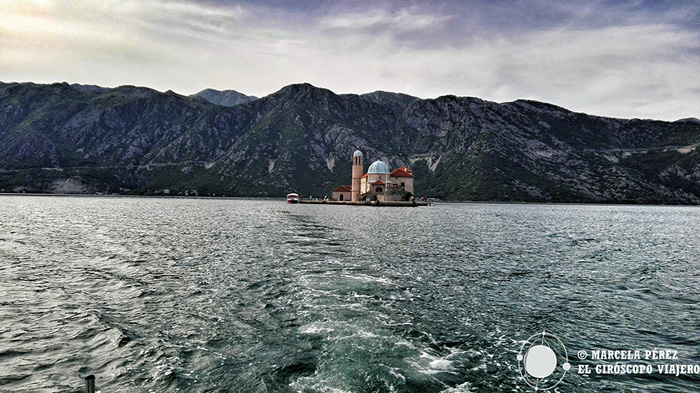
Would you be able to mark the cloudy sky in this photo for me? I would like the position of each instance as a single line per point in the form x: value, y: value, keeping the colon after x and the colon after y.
x: 613, y: 58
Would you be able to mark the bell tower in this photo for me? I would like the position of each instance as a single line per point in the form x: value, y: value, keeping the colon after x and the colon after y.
x: 357, y: 169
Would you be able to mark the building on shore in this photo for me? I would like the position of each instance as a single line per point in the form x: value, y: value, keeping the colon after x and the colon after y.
x: 379, y: 183
x: 342, y: 193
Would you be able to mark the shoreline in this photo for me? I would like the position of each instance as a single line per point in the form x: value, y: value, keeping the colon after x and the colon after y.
x: 560, y: 203
x: 367, y: 203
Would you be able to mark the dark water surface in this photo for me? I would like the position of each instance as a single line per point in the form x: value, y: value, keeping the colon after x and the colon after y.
x: 202, y: 295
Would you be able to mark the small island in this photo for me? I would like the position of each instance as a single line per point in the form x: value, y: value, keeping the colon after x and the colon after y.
x: 378, y: 187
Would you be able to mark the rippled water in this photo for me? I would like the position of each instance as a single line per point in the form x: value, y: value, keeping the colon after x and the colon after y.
x: 201, y: 295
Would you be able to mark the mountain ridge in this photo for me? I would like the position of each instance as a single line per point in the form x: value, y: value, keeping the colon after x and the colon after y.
x: 137, y: 140
x: 223, y: 97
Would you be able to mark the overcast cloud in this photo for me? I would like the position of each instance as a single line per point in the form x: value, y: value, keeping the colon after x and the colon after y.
x: 612, y: 58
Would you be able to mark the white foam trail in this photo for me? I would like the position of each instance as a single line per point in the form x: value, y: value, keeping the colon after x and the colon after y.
x: 462, y: 388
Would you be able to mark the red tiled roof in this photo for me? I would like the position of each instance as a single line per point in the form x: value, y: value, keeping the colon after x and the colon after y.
x: 365, y: 175
x: 378, y: 182
x: 402, y: 172
x: 343, y: 189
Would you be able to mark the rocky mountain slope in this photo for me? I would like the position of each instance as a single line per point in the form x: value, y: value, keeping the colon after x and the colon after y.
x: 224, y: 97
x: 73, y: 138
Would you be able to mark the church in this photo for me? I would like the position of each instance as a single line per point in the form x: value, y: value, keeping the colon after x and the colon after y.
x: 377, y: 184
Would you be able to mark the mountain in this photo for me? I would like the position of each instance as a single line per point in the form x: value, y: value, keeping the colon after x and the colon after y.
x: 68, y: 138
x: 224, y: 97
x: 397, y: 100
x: 689, y: 120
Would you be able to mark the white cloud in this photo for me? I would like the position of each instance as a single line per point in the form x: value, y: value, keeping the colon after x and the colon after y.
x: 409, y: 19
x: 627, y: 71
x: 598, y: 70
x: 636, y: 69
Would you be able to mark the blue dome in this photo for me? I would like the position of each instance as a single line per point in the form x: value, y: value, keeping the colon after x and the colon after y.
x: 379, y: 167
x: 357, y: 153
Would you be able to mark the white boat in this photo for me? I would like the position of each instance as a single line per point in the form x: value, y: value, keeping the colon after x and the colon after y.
x: 293, y: 198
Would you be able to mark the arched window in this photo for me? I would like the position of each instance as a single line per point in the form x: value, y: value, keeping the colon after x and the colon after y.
x: 379, y: 189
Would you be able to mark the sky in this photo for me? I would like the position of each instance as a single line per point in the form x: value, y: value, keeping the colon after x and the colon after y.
x: 630, y: 59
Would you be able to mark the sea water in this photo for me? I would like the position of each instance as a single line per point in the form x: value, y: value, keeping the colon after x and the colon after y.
x: 202, y: 295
